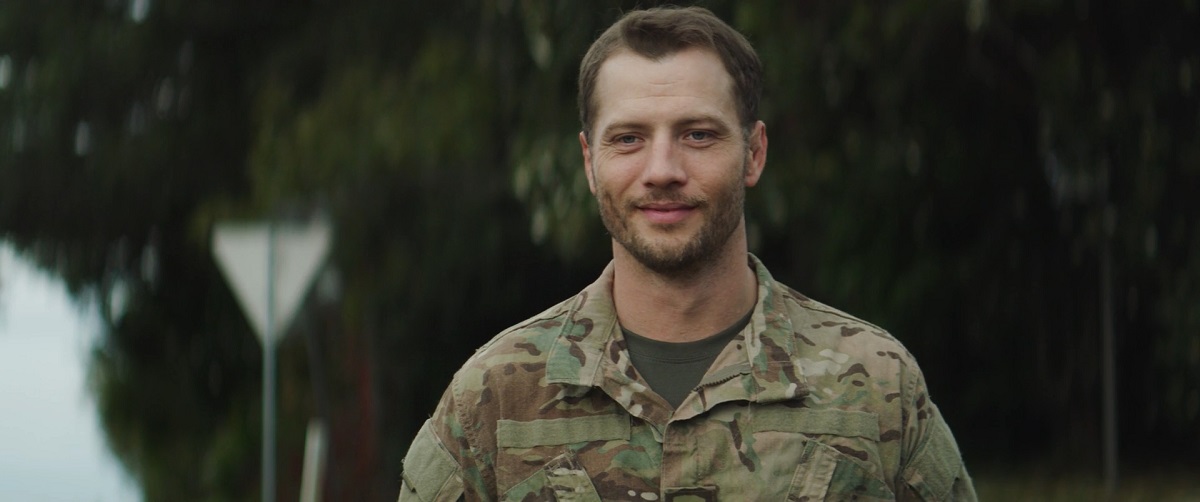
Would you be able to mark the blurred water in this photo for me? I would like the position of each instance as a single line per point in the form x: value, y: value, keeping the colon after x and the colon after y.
x: 51, y: 445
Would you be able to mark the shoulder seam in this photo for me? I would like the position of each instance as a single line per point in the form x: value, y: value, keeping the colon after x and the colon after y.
x: 553, y: 312
x: 803, y: 301
x: 819, y: 307
x: 459, y: 413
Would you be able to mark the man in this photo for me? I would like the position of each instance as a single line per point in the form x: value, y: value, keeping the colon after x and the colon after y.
x: 686, y: 372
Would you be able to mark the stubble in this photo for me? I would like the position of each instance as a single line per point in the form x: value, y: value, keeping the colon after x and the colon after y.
x: 664, y: 254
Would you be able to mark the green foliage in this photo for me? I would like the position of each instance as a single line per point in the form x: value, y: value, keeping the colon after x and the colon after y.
x: 950, y: 170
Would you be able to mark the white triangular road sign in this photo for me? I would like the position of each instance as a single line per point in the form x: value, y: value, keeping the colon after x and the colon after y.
x: 243, y: 252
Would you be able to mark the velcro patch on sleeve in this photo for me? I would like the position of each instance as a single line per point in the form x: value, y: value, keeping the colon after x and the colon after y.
x: 937, y: 465
x: 430, y: 472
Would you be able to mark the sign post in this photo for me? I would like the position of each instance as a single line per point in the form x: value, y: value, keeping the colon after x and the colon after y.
x: 270, y: 267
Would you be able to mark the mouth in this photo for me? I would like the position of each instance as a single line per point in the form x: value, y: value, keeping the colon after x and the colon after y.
x: 666, y: 213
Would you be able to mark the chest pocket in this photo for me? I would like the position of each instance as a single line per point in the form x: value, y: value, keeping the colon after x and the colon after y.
x: 548, y: 448
x: 826, y: 470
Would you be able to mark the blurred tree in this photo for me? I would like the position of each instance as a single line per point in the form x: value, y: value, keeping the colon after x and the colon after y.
x: 950, y: 170
x: 115, y: 127
x: 377, y: 113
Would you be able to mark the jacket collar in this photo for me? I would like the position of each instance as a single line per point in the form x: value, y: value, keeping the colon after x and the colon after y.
x: 587, y: 353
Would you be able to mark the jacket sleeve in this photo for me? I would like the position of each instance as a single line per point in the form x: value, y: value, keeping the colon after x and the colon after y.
x: 440, y: 464
x: 931, y: 466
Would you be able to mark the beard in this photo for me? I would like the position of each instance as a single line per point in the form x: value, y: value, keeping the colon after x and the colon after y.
x: 675, y: 255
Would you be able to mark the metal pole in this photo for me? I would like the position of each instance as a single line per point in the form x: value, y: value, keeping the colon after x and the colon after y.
x: 268, y: 428
x: 314, y: 462
x: 1109, y: 422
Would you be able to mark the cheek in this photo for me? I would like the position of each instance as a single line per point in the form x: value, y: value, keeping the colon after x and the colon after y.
x: 590, y: 173
x: 613, y: 174
x: 714, y: 174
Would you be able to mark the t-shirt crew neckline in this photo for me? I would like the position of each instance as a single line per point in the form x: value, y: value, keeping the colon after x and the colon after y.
x: 673, y: 369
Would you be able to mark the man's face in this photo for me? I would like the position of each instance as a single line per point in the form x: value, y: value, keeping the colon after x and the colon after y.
x: 667, y: 158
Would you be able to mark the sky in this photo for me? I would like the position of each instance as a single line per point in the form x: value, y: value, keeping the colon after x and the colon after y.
x: 51, y: 445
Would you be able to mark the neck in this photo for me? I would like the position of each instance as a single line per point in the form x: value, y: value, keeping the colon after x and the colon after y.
x: 684, y: 308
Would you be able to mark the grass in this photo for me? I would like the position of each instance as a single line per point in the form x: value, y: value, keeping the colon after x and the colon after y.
x: 1170, y: 484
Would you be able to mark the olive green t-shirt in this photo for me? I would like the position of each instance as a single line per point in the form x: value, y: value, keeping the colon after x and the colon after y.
x: 675, y: 368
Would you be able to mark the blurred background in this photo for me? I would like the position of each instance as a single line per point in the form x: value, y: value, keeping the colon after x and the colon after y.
x: 999, y: 184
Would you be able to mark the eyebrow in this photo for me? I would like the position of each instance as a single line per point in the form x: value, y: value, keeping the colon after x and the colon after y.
x: 684, y: 123
x: 710, y: 120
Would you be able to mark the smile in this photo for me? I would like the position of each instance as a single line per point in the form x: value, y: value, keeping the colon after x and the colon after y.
x: 666, y: 213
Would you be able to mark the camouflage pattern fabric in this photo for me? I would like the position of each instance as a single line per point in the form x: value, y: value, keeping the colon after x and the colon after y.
x: 806, y: 403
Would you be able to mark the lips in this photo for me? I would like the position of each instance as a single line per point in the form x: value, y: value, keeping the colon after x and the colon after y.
x: 666, y: 213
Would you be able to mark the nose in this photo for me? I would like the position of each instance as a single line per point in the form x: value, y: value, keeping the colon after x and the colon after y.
x: 664, y: 166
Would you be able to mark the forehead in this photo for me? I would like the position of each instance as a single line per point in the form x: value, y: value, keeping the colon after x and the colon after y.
x: 691, y: 79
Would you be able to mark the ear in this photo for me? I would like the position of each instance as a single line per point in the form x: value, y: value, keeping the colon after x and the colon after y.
x: 756, y: 153
x: 587, y: 161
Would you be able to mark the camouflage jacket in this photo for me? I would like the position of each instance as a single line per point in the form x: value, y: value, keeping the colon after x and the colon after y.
x: 806, y: 403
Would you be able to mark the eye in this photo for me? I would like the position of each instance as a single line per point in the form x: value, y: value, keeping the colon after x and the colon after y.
x: 627, y: 139
x: 699, y: 135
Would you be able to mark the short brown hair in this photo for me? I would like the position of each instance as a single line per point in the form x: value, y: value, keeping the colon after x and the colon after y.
x: 660, y: 32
